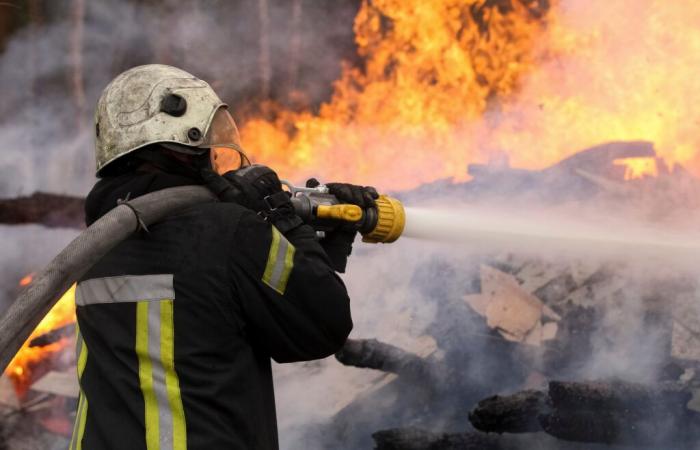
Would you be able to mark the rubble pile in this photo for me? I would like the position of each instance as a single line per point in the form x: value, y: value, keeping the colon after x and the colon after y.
x: 580, y: 354
x: 523, y: 352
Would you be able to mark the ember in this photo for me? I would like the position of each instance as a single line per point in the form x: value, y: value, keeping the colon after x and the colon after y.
x: 26, y: 280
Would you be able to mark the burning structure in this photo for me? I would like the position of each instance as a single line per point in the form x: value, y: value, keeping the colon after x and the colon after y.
x: 490, y: 102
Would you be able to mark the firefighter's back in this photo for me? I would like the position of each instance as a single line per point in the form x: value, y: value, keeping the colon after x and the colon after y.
x: 164, y: 359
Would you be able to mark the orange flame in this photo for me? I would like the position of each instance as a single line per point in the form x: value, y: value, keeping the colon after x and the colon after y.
x: 21, y: 367
x: 449, y: 82
x: 637, y: 168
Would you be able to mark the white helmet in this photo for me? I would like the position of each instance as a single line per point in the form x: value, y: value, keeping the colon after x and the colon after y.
x: 162, y: 104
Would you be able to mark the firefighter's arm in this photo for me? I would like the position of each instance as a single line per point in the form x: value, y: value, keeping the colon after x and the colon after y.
x: 295, y: 305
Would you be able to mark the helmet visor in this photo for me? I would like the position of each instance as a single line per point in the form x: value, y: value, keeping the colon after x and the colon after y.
x: 224, y: 144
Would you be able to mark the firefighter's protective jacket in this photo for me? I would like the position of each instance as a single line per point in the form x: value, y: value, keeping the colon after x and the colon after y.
x: 177, y: 325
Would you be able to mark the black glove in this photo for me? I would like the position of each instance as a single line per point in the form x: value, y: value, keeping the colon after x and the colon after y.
x: 362, y: 196
x: 248, y: 187
x: 338, y: 243
x: 255, y: 187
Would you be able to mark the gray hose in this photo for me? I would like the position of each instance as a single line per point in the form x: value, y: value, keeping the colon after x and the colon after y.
x: 81, y: 254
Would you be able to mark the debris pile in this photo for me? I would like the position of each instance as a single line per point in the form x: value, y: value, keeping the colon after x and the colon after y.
x: 515, y: 340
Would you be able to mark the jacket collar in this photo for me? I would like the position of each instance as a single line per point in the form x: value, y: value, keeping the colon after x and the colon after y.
x: 109, y: 190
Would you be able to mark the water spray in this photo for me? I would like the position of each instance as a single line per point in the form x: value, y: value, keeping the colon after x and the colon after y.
x: 385, y: 222
x: 487, y: 229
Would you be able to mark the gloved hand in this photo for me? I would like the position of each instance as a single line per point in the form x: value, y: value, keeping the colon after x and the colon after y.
x: 255, y: 187
x: 249, y: 186
x: 338, y: 243
x: 362, y: 196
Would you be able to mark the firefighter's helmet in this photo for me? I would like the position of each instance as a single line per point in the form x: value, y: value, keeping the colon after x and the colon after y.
x: 154, y: 104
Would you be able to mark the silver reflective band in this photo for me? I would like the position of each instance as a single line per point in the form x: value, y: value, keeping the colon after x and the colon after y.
x: 125, y: 289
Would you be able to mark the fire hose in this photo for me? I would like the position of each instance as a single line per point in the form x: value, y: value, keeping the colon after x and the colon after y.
x: 384, y: 223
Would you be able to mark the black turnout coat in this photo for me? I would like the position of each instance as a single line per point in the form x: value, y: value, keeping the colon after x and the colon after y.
x: 177, y: 325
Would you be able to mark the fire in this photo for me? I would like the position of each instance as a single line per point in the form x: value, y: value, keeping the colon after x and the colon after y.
x: 636, y: 168
x: 20, y: 368
x: 431, y: 71
x: 449, y: 82
x: 26, y: 280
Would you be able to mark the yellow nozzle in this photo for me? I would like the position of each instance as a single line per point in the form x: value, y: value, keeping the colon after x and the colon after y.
x: 391, y: 219
x: 346, y: 213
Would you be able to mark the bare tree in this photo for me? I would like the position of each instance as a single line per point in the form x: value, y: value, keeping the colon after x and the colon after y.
x: 76, y: 58
x: 8, y: 15
x: 295, y: 44
x: 264, y: 61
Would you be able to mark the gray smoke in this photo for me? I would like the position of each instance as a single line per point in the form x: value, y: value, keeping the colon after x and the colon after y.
x: 45, y: 130
x: 408, y: 294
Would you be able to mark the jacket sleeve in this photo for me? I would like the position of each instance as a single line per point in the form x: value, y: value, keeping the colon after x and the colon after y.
x: 294, y: 304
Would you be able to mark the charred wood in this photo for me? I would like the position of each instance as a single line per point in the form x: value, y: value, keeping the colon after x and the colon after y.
x: 417, y: 439
x: 515, y: 413
x: 555, y: 290
x: 632, y: 428
x: 51, y: 210
x: 413, y: 438
x: 373, y: 354
x: 53, y: 336
x: 615, y: 413
x: 572, y: 347
x: 621, y: 396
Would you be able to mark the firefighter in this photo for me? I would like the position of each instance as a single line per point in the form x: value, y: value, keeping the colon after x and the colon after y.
x: 177, y: 324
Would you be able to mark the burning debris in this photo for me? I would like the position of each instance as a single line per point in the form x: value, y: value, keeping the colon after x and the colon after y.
x: 485, y: 78
x: 48, y: 348
x: 523, y: 321
x: 516, y: 322
x: 38, y: 391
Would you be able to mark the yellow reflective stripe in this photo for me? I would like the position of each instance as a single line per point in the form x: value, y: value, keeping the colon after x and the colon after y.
x: 272, y: 257
x: 82, y: 358
x: 172, y: 383
x: 81, y: 413
x: 280, y: 262
x: 74, y: 438
x: 81, y: 423
x: 146, y: 377
x: 288, y: 265
x: 155, y: 346
x: 76, y: 442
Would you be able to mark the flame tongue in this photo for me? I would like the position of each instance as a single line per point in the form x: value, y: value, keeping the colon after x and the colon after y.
x: 22, y: 368
x: 451, y: 82
x: 431, y: 68
x: 636, y: 168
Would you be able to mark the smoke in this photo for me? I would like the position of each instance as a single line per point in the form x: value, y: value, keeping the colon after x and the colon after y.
x: 408, y: 293
x: 47, y: 133
x: 25, y: 250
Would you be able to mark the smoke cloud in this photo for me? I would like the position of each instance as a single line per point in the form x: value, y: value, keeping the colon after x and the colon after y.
x: 410, y: 293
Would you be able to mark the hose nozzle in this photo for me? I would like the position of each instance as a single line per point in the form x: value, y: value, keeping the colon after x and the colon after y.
x: 391, y: 219
x: 383, y: 223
